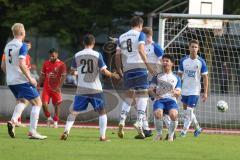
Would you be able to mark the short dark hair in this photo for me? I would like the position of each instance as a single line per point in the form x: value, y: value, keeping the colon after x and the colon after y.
x: 136, y: 21
x: 147, y: 31
x: 194, y: 41
x: 52, y: 50
x: 88, y: 40
x: 168, y: 56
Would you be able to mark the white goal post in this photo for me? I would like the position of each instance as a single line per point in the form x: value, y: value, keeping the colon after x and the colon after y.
x: 220, y: 47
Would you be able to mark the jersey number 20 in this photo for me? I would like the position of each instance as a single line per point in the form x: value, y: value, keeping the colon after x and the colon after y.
x: 87, y: 66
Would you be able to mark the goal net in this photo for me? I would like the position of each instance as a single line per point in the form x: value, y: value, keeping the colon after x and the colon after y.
x: 219, y: 46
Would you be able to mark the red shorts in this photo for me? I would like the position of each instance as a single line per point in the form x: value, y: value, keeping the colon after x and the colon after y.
x: 55, y: 96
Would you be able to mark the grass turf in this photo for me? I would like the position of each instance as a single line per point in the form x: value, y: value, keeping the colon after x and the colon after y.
x: 85, y: 144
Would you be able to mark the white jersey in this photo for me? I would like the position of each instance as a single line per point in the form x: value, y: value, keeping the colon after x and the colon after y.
x: 13, y: 51
x: 88, y: 63
x: 192, y: 69
x: 170, y: 78
x: 128, y: 44
x: 154, y: 54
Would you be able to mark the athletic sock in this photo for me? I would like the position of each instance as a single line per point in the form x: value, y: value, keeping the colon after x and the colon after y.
x: 158, y: 125
x: 34, y: 116
x: 172, y: 128
x: 126, y: 106
x: 18, y: 112
x: 70, y: 121
x: 103, y: 125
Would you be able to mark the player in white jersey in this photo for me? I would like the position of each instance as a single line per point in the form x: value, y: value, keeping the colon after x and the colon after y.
x: 191, y: 69
x: 20, y: 82
x: 154, y: 53
x: 88, y: 64
x: 131, y: 54
x: 165, y: 102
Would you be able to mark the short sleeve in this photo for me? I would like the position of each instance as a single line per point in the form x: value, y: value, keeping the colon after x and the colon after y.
x: 101, y: 63
x: 142, y: 38
x: 180, y: 68
x: 204, y: 69
x: 158, y: 50
x: 74, y: 63
x: 23, y: 51
x: 179, y: 83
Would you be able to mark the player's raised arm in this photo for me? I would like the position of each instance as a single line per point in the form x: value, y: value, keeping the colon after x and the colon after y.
x: 142, y: 53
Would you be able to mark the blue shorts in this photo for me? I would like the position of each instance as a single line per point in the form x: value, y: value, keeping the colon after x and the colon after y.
x: 136, y: 79
x: 81, y: 102
x: 165, y: 104
x: 25, y: 90
x: 191, y: 100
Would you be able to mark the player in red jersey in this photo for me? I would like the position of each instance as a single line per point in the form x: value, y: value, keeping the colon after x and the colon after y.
x: 52, y: 76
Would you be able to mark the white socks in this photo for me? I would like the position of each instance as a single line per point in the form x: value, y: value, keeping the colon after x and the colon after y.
x: 195, y: 122
x: 141, y: 108
x: 172, y: 128
x: 103, y: 125
x: 189, y: 117
x: 126, y: 106
x: 70, y: 121
x: 145, y: 122
x: 167, y: 120
x: 18, y: 112
x: 158, y: 125
x: 34, y: 118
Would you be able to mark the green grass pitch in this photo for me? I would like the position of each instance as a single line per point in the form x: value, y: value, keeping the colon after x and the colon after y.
x: 84, y: 144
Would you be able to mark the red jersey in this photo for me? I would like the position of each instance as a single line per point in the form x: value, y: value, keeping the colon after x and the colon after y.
x: 53, y: 72
x: 28, y: 60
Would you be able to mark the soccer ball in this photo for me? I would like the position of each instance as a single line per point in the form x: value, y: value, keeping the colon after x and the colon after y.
x: 222, y: 106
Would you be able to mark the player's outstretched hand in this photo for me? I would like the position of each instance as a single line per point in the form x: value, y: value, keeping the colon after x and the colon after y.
x: 33, y: 82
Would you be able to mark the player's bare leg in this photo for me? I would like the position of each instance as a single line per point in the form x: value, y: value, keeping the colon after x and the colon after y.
x: 56, y: 115
x: 47, y: 114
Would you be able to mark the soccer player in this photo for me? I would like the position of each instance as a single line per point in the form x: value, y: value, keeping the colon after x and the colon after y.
x: 191, y: 69
x: 89, y: 63
x: 167, y: 102
x: 53, y: 75
x: 154, y: 54
x: 28, y: 63
x: 20, y: 82
x: 131, y: 54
